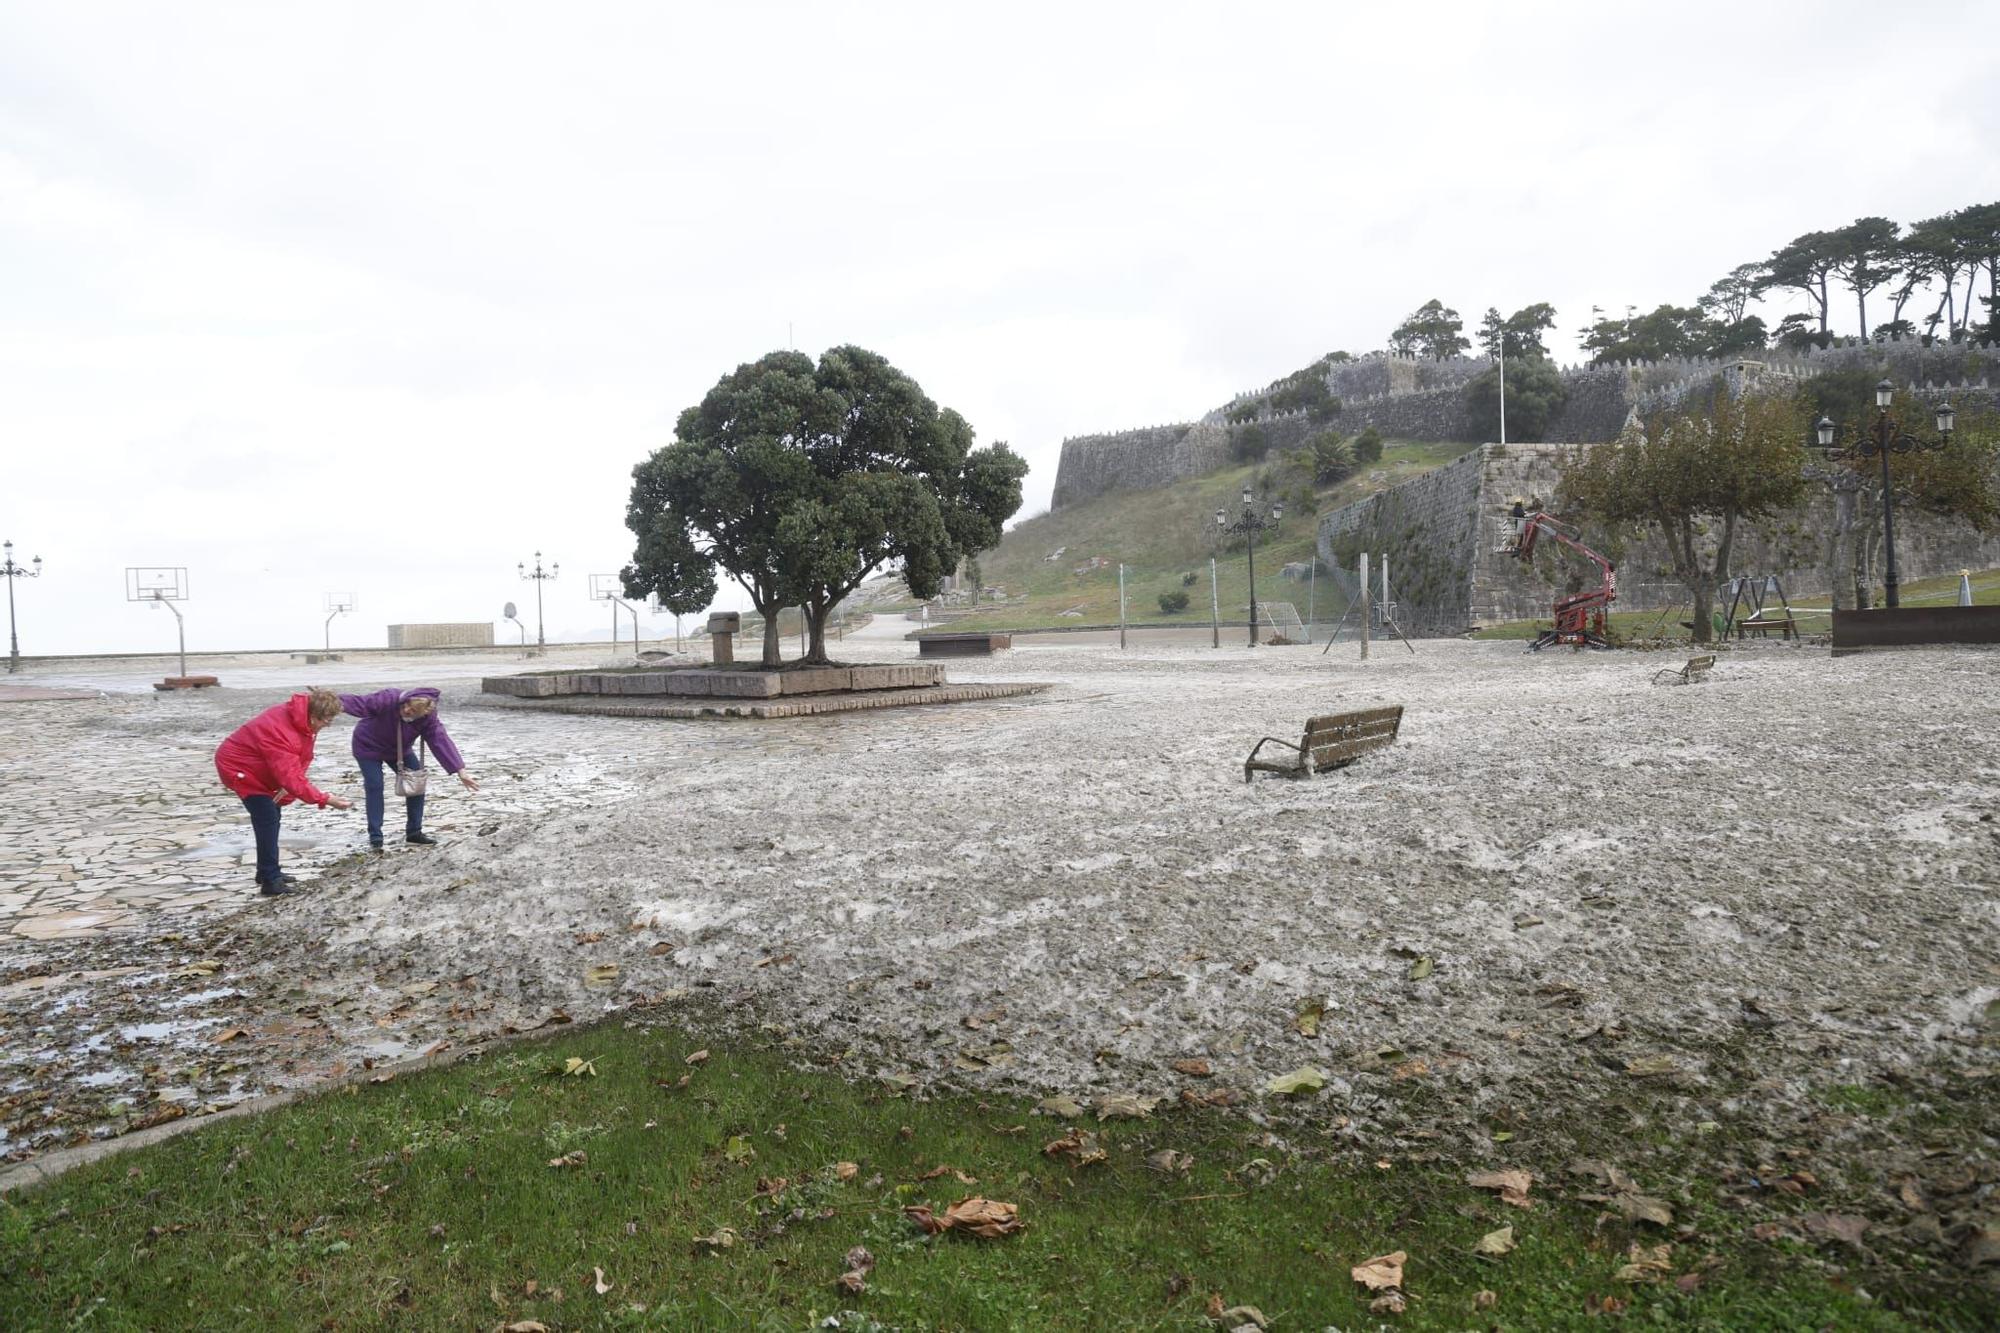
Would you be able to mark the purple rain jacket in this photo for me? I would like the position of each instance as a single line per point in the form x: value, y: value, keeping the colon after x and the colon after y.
x: 375, y: 733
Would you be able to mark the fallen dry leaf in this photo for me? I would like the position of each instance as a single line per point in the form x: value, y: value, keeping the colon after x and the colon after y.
x: 206, y: 967
x: 1193, y: 1068
x: 1238, y: 1317
x: 525, y: 1326
x: 1485, y: 1300
x: 599, y: 1282
x: 942, y: 1170
x: 1648, y: 1263
x: 663, y: 947
x: 1496, y: 1243
x: 1389, y: 1302
x: 576, y: 1158
x: 230, y: 1034
x: 1170, y: 1161
x: 988, y: 1219
x: 1421, y: 968
x: 1079, y: 1146
x: 1651, y: 1066
x: 1645, y: 1208
x: 576, y: 1068
x: 1843, y: 1227
x: 1513, y: 1185
x: 858, y: 1257
x: 723, y: 1238
x: 1381, y: 1272
x: 589, y: 936
x: 599, y: 973
x: 853, y: 1282
x: 1125, y: 1106
x: 697, y: 1058
x: 1595, y: 1305
x: 1306, y: 1021
x: 1064, y: 1107
x: 1306, y: 1079
x: 738, y: 1150
x: 845, y: 1170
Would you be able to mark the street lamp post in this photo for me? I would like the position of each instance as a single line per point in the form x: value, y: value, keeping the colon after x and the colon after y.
x: 1250, y: 525
x: 12, y: 571
x: 1887, y: 438
x: 538, y: 576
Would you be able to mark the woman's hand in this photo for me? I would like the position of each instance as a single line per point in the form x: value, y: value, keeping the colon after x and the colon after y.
x: 339, y: 803
x: 471, y: 783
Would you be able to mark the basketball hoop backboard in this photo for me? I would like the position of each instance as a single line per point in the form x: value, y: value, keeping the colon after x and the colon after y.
x: 149, y: 583
x: 605, y: 587
x: 341, y: 601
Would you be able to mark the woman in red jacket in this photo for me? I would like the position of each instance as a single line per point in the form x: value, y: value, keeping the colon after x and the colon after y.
x: 264, y: 762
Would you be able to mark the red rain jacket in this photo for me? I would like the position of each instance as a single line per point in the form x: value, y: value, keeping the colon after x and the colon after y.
x: 269, y: 754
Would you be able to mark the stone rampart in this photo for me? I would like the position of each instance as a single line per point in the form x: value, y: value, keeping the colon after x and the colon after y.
x: 1410, y: 399
x: 1443, y: 532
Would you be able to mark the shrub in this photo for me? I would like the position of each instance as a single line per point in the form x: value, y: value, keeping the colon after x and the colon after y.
x: 1187, y: 580
x: 1251, y: 444
x: 1175, y: 602
x: 1367, y: 446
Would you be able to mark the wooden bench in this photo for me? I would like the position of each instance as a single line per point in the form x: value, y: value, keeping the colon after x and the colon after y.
x: 1330, y: 742
x: 1761, y: 627
x: 1694, y: 673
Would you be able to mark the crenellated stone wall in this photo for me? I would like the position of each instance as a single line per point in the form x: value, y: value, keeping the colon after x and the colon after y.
x: 1443, y: 531
x: 1408, y: 399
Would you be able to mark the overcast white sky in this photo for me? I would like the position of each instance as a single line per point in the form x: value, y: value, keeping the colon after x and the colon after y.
x: 386, y: 297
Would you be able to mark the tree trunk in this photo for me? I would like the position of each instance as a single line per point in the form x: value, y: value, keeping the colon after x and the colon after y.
x: 773, y: 641
x: 1702, y: 588
x: 816, y: 614
x: 1862, y: 298
x: 1862, y: 582
x: 1822, y: 304
x: 1840, y: 550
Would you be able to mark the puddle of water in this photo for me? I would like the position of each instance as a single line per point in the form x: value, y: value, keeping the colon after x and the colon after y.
x: 163, y: 1031
x: 202, y: 997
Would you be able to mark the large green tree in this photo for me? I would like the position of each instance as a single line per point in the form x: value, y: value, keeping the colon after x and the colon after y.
x: 1804, y: 266
x: 1520, y: 334
x: 1865, y: 254
x: 800, y: 480
x: 1535, y: 397
x: 1694, y: 477
x: 1434, y: 331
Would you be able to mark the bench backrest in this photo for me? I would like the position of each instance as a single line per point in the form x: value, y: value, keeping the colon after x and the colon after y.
x: 1698, y: 664
x: 1340, y: 737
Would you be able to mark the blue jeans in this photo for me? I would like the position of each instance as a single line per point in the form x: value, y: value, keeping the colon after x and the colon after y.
x: 372, y: 781
x: 264, y: 818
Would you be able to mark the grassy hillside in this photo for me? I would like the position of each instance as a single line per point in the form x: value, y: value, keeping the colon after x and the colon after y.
x: 1161, y: 536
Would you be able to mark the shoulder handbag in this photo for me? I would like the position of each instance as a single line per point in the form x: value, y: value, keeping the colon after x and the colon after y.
x: 410, y: 782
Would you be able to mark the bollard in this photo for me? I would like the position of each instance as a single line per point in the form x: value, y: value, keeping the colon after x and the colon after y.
x: 723, y: 627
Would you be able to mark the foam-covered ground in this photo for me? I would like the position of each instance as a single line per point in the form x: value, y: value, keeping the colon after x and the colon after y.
x: 1561, y: 879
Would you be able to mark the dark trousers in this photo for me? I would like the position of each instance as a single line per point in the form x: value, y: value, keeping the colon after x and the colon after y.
x: 373, y: 779
x: 264, y: 818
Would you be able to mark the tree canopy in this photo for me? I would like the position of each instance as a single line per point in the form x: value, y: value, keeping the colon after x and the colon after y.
x: 800, y: 480
x: 1434, y: 331
x: 1535, y: 397
x: 1693, y: 477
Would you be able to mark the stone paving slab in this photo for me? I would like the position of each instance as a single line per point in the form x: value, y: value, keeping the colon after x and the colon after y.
x: 852, y: 701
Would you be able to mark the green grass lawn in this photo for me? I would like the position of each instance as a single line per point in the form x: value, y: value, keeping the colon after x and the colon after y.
x: 1811, y: 612
x: 1163, y: 535
x: 506, y: 1192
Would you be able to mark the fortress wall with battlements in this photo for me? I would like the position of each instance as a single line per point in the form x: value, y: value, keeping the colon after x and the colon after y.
x: 1409, y: 399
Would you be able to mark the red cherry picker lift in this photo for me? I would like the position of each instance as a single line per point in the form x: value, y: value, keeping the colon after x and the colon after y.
x: 1579, y: 616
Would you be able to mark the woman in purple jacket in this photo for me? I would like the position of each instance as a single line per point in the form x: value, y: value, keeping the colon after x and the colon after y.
x: 408, y: 716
